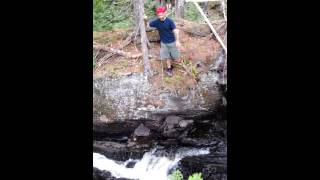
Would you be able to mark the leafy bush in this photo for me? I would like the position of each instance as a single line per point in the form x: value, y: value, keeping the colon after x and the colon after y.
x: 193, y: 68
x: 195, y: 176
x: 191, y: 12
x: 176, y: 175
x: 108, y: 12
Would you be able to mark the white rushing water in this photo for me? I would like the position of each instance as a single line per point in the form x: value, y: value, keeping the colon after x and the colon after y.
x: 150, y: 167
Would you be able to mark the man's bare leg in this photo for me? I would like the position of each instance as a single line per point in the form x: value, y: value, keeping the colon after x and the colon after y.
x: 169, y: 68
x: 168, y: 63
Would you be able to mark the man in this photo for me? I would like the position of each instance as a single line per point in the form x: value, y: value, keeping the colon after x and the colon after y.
x: 169, y: 37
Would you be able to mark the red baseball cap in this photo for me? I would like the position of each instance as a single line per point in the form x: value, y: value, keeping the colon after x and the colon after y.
x: 160, y: 10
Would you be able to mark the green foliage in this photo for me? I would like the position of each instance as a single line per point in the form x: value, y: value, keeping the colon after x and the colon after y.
x: 94, y: 63
x: 195, y: 176
x: 194, y: 72
x: 175, y: 79
x: 125, y: 24
x: 149, y: 8
x: 167, y: 79
x: 191, y: 12
x: 186, y: 62
x: 124, y: 63
x: 193, y: 68
x: 176, y: 175
x: 108, y: 12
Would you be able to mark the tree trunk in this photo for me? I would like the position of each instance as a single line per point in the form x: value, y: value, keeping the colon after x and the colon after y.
x: 143, y: 34
x: 179, y: 7
x: 224, y: 8
x: 136, y: 18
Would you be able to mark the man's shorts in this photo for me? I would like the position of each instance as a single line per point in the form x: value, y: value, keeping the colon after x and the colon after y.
x: 169, y: 51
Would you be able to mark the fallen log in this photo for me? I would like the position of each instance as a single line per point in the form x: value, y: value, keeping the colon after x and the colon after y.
x: 197, y: 29
x: 116, y: 51
x: 127, y: 41
x: 192, y: 27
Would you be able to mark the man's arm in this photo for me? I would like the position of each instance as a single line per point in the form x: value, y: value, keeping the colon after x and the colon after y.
x: 149, y: 24
x: 145, y: 18
x: 176, y: 34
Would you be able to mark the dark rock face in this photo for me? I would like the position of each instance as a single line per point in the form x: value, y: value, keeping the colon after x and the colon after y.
x: 104, y: 175
x: 185, y: 123
x: 120, y: 151
x: 171, y: 127
x: 197, y: 142
x: 131, y: 164
x: 111, y: 130
x: 173, y: 120
x: 211, y: 166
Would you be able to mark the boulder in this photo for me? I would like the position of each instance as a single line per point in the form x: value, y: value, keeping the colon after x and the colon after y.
x: 142, y: 130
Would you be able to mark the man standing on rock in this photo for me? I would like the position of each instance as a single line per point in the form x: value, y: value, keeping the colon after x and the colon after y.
x: 169, y: 37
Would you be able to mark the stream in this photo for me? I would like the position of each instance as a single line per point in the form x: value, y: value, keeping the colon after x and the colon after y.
x: 151, y: 166
x: 147, y: 149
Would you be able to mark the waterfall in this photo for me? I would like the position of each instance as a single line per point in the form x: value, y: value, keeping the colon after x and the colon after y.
x: 151, y: 166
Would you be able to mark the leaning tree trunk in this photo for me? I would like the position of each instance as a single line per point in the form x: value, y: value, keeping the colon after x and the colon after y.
x: 143, y: 35
x: 179, y: 8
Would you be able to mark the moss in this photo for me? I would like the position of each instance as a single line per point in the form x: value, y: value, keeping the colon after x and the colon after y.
x: 97, y: 35
x: 167, y: 80
x: 124, y: 63
x: 112, y: 70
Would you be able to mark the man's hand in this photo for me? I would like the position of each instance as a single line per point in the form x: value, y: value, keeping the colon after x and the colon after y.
x: 145, y: 17
x: 178, y: 45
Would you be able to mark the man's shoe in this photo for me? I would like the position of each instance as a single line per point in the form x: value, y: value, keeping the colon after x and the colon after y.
x: 169, y: 72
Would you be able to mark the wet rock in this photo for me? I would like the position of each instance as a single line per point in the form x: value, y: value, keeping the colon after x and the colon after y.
x: 157, y: 117
x: 131, y: 144
x: 221, y: 125
x: 154, y: 125
x: 173, y: 120
x: 211, y: 166
x: 114, y: 129
x: 104, y: 119
x: 120, y: 151
x: 170, y: 126
x: 142, y: 131
x: 131, y: 164
x: 171, y: 133
x: 195, y: 142
x: 100, y: 175
x: 185, y: 123
x: 169, y: 142
x: 105, y: 175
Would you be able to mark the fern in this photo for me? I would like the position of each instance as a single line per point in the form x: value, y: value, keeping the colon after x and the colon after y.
x: 176, y: 175
x: 195, y: 176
